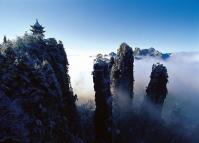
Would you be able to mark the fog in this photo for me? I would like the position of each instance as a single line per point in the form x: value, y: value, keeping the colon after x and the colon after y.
x: 80, y: 71
x: 183, y: 85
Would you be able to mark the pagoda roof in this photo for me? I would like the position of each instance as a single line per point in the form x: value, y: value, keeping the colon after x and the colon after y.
x: 37, y: 25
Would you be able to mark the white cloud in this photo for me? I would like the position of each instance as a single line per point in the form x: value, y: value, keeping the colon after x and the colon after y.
x: 183, y: 89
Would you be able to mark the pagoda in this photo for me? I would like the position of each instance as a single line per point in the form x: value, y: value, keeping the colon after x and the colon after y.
x: 37, y: 29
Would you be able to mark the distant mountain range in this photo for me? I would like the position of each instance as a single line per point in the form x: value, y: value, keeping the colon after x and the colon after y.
x: 142, y: 53
x: 151, y: 52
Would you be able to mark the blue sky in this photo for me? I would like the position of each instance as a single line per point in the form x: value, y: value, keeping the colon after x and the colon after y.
x: 92, y: 26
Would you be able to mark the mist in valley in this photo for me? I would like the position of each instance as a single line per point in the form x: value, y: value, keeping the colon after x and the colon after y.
x: 183, y: 91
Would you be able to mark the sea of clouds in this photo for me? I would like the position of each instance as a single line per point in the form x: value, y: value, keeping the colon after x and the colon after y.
x: 183, y: 85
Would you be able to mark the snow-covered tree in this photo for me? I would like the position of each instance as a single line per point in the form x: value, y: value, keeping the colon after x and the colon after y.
x: 36, y: 92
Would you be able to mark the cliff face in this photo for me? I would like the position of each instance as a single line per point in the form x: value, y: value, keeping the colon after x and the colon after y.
x: 157, y: 87
x: 37, y: 102
x: 103, y: 101
x: 122, y: 79
x: 112, y: 76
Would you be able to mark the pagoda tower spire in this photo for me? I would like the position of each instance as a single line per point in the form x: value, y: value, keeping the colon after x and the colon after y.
x: 37, y: 29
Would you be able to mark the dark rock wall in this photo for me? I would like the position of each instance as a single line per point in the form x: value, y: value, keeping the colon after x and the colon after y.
x: 122, y: 79
x: 157, y: 87
x: 122, y: 70
x: 103, y: 101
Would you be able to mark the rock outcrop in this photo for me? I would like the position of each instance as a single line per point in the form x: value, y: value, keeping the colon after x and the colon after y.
x: 36, y: 98
x: 122, y: 79
x: 157, y: 87
x: 103, y: 101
